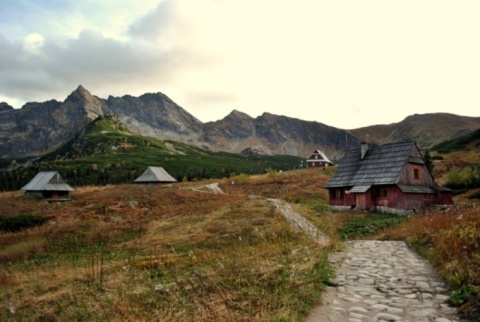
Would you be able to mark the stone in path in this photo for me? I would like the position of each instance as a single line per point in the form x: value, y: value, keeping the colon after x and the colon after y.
x: 383, y: 281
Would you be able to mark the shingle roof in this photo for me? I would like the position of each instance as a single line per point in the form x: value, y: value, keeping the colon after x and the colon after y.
x: 415, y: 189
x: 155, y: 174
x: 381, y: 165
x: 322, y: 155
x: 47, y: 181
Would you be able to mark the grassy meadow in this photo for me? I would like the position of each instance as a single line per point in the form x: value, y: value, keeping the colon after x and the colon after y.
x: 135, y: 253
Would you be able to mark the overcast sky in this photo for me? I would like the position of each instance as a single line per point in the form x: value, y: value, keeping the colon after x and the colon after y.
x: 346, y: 64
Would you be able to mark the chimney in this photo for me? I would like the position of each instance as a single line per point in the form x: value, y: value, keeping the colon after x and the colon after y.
x: 363, y: 149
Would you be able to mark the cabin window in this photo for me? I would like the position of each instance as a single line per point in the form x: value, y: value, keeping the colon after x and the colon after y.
x: 338, y: 194
x: 380, y: 193
x: 383, y: 193
x: 416, y: 174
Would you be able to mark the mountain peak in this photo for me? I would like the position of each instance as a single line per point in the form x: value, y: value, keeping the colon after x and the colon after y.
x: 5, y: 107
x: 80, y: 88
x: 78, y: 95
x: 235, y: 114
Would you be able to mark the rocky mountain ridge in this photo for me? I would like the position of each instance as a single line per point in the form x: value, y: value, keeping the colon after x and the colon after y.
x: 39, y: 128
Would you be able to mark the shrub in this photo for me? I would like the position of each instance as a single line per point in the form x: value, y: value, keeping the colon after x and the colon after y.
x: 271, y: 173
x: 23, y: 221
x: 466, y: 178
x: 475, y: 195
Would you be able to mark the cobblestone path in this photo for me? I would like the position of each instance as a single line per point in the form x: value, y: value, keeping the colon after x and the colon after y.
x: 383, y: 281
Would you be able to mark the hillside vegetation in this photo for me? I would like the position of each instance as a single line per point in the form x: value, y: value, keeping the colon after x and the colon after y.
x: 176, y: 254
x: 457, y: 164
x: 106, y: 152
x: 133, y: 253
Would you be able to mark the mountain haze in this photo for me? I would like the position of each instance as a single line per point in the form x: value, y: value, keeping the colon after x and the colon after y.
x: 39, y: 128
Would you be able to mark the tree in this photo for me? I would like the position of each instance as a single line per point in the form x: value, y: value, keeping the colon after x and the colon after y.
x: 428, y: 161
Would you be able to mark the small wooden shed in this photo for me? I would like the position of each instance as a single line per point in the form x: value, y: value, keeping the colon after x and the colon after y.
x: 48, y: 185
x: 156, y: 176
x: 318, y: 159
x: 388, y: 178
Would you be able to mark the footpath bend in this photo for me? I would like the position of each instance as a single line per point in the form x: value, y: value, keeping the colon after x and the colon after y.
x: 383, y: 281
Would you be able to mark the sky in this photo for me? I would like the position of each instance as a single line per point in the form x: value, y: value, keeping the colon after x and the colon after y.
x: 346, y: 64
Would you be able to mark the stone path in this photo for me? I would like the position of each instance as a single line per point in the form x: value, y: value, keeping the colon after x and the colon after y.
x: 383, y: 281
x: 299, y: 223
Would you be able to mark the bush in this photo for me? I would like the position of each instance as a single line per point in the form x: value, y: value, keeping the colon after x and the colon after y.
x: 466, y: 178
x: 475, y: 195
x: 24, y: 221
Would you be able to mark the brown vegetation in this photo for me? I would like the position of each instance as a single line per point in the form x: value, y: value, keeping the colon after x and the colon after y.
x: 178, y: 254
x: 134, y: 253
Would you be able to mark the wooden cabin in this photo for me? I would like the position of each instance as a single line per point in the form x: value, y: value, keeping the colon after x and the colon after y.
x: 155, y: 176
x: 48, y: 185
x: 318, y: 159
x: 389, y: 178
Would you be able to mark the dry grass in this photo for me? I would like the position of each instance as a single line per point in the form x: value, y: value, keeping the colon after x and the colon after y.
x: 130, y: 253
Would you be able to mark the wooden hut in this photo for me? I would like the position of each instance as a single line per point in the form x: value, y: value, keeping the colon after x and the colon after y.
x: 388, y: 178
x: 48, y: 185
x: 156, y: 176
x: 318, y: 159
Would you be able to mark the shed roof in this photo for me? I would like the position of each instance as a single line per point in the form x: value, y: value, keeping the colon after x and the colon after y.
x: 155, y: 174
x: 47, y: 181
x: 415, y: 189
x: 357, y: 189
x: 381, y: 165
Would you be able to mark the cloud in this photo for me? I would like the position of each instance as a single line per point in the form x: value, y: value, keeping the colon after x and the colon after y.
x: 312, y: 60
x: 33, y: 42
x: 42, y: 68
x: 155, y: 24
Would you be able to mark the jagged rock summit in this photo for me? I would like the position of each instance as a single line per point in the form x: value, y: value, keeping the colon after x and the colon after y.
x: 39, y: 128
x: 5, y: 107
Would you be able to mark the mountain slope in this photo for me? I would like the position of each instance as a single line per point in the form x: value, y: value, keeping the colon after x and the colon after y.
x: 107, y: 152
x: 155, y: 115
x: 274, y: 134
x: 39, y: 128
x: 426, y: 129
x: 457, y: 161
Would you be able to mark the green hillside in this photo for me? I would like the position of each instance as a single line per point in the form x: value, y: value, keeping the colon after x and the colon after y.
x: 108, y: 153
x: 459, y: 143
x: 457, y: 164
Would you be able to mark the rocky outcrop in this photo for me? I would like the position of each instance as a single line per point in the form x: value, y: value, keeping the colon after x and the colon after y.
x: 156, y: 115
x: 38, y: 128
x: 274, y: 134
